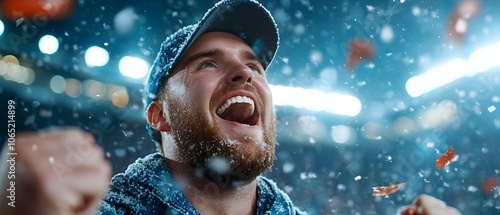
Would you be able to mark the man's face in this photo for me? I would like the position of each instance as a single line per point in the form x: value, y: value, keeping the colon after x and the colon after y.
x: 220, y: 109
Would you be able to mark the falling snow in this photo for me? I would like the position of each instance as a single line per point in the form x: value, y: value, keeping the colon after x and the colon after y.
x: 326, y: 162
x: 387, y: 34
x: 491, y: 108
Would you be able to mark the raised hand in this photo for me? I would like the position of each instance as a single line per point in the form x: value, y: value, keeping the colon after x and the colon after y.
x: 428, y: 205
x: 58, y: 172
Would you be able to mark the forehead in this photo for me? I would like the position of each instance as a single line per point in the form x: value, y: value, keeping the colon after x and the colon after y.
x: 215, y: 40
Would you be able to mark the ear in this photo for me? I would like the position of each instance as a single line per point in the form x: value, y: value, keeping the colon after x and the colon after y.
x: 156, y: 118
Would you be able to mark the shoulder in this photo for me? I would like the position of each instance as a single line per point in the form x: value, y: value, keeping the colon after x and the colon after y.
x: 146, y: 187
x: 272, y: 196
x: 269, y: 186
x: 133, y: 190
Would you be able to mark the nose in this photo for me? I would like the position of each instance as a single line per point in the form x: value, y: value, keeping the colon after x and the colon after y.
x: 239, y: 74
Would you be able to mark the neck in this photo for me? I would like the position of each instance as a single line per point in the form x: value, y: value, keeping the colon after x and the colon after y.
x: 209, y: 197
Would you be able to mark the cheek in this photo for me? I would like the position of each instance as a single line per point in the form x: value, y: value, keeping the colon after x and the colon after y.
x: 176, y: 87
x: 270, y: 104
x: 266, y: 95
x: 269, y: 96
x: 198, y: 90
x: 188, y: 90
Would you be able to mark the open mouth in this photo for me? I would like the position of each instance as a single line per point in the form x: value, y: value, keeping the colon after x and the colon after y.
x: 240, y: 109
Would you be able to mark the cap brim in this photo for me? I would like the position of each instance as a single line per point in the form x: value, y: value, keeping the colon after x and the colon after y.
x: 247, y: 19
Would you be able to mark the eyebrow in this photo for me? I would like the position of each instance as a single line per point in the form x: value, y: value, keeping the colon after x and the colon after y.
x: 204, y: 53
x: 248, y: 55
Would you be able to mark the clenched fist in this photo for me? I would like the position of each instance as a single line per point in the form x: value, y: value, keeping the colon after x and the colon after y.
x: 58, y: 172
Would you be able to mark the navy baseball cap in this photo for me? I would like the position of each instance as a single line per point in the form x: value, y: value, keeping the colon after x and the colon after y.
x: 247, y: 19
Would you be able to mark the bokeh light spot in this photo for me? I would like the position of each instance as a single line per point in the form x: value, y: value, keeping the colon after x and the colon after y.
x: 2, y: 27
x: 96, y: 56
x: 133, y: 67
x: 57, y: 84
x: 120, y: 98
x: 48, y: 44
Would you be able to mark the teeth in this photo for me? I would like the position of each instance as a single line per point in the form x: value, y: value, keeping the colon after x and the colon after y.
x: 236, y: 99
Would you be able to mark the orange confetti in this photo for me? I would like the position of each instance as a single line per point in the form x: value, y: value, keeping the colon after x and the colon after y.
x: 383, y: 191
x: 446, y: 158
x: 458, y: 21
x: 490, y: 184
x: 37, y: 9
x: 359, y: 49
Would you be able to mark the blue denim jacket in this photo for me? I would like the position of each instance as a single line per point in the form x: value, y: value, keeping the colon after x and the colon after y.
x: 148, y: 187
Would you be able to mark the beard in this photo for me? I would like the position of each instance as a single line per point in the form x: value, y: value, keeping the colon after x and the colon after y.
x: 204, y: 146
